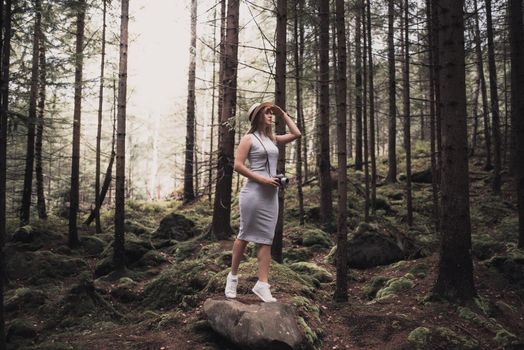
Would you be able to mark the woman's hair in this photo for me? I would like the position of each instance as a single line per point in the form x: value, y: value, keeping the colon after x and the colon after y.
x: 255, y: 120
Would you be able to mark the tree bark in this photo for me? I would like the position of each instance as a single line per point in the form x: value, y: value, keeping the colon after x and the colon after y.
x: 483, y: 89
x: 75, y: 163
x: 517, y: 105
x: 213, y: 97
x: 392, y: 118
x: 326, y: 205
x: 407, y: 115
x: 42, y: 213
x: 455, y: 272
x: 5, y: 51
x: 99, y: 125
x: 358, y: 86
x: 365, y: 111
x: 300, y: 111
x: 32, y: 117
x: 118, y: 245
x: 495, y: 113
x: 341, y: 293
x: 189, y: 192
x: 371, y: 112
x: 221, y: 224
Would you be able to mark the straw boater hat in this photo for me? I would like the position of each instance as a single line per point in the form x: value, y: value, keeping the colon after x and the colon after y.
x: 255, y: 108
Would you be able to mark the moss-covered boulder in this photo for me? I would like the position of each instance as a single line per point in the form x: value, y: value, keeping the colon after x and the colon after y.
x: 374, y: 285
x: 42, y: 266
x: 441, y: 338
x: 151, y: 258
x: 316, y: 238
x: 93, y: 245
x: 135, y: 248
x: 24, y: 299
x: 136, y: 227
x: 297, y: 254
x: 313, y: 270
x: 282, y: 279
x: 176, y: 226
x: 394, y: 286
x: 179, y: 283
x: 510, y: 265
x: 125, y: 290
x: 485, y: 246
x: 34, y: 237
x: 20, y: 328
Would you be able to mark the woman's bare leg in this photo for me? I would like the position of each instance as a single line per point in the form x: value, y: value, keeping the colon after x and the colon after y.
x: 238, y: 252
x: 264, y: 258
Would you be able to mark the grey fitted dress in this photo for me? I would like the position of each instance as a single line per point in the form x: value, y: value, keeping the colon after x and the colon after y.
x: 259, y: 203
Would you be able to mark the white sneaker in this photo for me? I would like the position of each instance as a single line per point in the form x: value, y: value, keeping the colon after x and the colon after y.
x: 261, y: 289
x: 231, y: 286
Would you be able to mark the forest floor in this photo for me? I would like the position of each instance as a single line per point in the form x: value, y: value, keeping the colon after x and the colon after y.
x: 56, y: 298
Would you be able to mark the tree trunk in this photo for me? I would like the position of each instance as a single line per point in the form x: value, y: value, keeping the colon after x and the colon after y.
x: 495, y: 113
x: 371, y: 112
x: 483, y: 89
x: 99, y: 125
x: 33, y: 95
x: 392, y: 118
x: 212, y: 132
x: 300, y: 111
x: 365, y: 111
x: 118, y: 245
x: 358, y: 86
x: 341, y: 293
x: 475, y: 120
x: 455, y: 273
x: 326, y: 205
x: 189, y: 192
x: 407, y: 115
x: 302, y: 124
x: 221, y: 224
x: 517, y: 105
x: 5, y: 51
x: 432, y: 114
x: 75, y: 163
x: 42, y: 213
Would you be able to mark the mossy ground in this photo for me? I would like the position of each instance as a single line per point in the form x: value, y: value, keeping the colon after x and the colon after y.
x: 157, y: 301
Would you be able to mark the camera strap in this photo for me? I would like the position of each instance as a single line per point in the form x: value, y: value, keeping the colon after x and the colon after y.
x: 267, y: 154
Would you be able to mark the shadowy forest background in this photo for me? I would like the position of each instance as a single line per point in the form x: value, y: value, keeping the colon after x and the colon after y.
x: 406, y: 203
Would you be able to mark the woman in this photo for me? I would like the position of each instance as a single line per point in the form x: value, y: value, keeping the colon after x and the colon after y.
x: 259, y: 197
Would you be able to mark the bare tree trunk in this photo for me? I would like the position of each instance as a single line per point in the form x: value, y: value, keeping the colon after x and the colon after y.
x: 326, y: 205
x: 118, y: 245
x: 358, y: 86
x: 517, y: 105
x: 407, y: 115
x: 475, y: 120
x: 280, y: 100
x: 189, y: 192
x: 371, y: 113
x: 432, y: 113
x: 33, y: 95
x: 212, y: 132
x: 495, y: 113
x: 99, y: 125
x: 341, y: 293
x: 42, y: 213
x: 302, y: 124
x: 221, y: 225
x: 5, y: 51
x: 365, y: 110
x: 75, y: 163
x: 392, y: 118
x: 483, y: 89
x: 455, y: 273
x: 300, y: 111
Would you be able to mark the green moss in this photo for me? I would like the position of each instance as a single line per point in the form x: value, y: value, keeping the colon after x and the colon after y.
x: 419, y: 337
x: 420, y: 270
x: 316, y: 237
x: 282, y: 279
x: 393, y: 286
x: 455, y: 340
x: 24, y: 298
x: 310, y: 335
x: 376, y: 283
x: 505, y: 338
x: 297, y: 254
x: 331, y: 256
x: 306, y: 308
x: 313, y: 270
x: 484, y: 246
x: 93, y: 245
x: 152, y: 258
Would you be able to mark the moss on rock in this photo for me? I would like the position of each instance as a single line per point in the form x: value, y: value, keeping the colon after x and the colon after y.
x: 419, y: 337
x: 25, y: 298
x: 316, y: 237
x: 313, y: 270
x: 376, y: 283
x: 297, y: 254
x: 393, y: 286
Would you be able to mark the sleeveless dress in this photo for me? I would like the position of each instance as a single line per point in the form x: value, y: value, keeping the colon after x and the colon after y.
x: 259, y: 203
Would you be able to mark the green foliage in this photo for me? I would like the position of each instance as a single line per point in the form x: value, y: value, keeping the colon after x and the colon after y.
x: 316, y: 237
x: 419, y: 337
x: 297, y: 254
x: 376, y: 283
x: 394, y: 286
x: 420, y: 270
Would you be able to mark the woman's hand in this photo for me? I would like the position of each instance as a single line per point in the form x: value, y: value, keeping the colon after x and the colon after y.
x: 277, y: 111
x: 268, y: 181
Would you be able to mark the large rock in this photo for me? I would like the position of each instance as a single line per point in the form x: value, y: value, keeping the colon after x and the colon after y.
x: 374, y: 245
x: 259, y: 326
x: 176, y: 226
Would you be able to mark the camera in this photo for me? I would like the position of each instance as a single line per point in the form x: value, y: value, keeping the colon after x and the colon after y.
x: 283, y: 181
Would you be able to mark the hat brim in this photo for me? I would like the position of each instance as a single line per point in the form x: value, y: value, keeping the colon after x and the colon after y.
x: 258, y: 109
